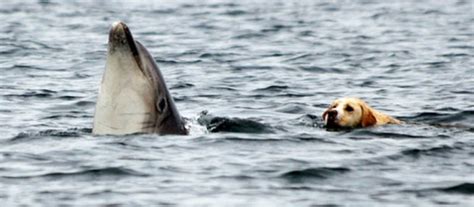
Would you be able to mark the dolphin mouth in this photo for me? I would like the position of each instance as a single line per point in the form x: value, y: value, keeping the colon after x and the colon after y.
x: 120, y: 35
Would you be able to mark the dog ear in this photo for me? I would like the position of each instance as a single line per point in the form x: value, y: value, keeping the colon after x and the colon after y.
x: 368, y: 118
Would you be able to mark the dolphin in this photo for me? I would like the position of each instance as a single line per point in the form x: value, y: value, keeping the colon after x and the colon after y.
x: 133, y: 97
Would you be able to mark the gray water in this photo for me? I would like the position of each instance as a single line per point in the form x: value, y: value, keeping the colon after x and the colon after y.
x: 252, y: 78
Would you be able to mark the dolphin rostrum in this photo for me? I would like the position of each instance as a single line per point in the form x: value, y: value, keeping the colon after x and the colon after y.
x: 133, y: 96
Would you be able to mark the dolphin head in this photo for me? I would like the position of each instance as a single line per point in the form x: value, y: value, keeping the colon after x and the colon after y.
x: 133, y: 97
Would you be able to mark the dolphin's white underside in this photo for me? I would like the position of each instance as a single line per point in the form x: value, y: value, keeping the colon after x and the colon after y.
x: 126, y: 101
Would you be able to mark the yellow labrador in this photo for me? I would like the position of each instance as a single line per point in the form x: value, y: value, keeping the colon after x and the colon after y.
x: 353, y: 112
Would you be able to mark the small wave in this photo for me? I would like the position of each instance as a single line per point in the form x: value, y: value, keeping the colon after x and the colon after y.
x: 311, y: 138
x: 68, y: 97
x: 273, y: 88
x: 255, y: 67
x: 461, y: 47
x: 437, y: 64
x: 167, y: 61
x: 434, y: 151
x: 93, y: 173
x: 23, y: 156
x: 462, y: 92
x: 291, y: 109
x: 314, y: 173
x: 80, y: 75
x: 181, y: 85
x: 223, y: 5
x: 442, y: 151
x: 234, y: 177
x: 30, y: 67
x: 463, y: 188
x: 85, y: 103
x: 433, y: 11
x: 317, y: 69
x: 242, y: 139
x: 297, y: 57
x: 204, y: 26
x: 223, y: 88
x: 238, y: 125
x: 303, y: 188
x: 8, y: 51
x: 216, y: 55
x: 290, y: 95
x: 236, y: 12
x: 61, y: 116
x: 43, y: 93
x: 450, y: 55
x: 74, y: 132
x: 426, y: 116
x: 460, y: 120
x: 368, y: 133
x: 249, y: 35
x: 275, y: 28
x: 164, y: 11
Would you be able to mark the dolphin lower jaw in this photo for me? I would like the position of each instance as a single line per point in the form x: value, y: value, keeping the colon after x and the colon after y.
x: 126, y: 98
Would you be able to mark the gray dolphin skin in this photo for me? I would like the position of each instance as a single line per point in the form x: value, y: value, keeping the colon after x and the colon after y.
x: 133, y: 96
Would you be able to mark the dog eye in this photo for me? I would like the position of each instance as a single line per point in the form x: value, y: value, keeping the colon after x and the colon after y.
x: 349, y: 108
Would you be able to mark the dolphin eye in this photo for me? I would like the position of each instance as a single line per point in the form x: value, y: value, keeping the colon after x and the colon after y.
x: 349, y: 108
x: 161, y: 105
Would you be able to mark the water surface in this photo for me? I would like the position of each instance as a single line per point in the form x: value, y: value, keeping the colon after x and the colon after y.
x: 252, y: 78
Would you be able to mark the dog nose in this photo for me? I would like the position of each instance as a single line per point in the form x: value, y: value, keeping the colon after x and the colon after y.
x: 332, y: 114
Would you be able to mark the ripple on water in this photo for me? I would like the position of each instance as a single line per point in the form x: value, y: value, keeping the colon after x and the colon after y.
x: 314, y: 173
x: 443, y: 151
x: 460, y: 119
x: 43, y: 93
x: 73, y: 132
x: 319, y: 70
x: 463, y: 188
x: 92, y: 174
x: 273, y: 88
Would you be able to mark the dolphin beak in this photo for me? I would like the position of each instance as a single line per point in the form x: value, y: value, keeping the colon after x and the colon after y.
x: 119, y: 36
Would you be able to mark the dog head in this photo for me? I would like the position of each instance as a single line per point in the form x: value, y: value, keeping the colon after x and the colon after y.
x: 350, y: 113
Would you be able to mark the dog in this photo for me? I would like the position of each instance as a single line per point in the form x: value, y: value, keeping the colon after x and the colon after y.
x: 354, y: 113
